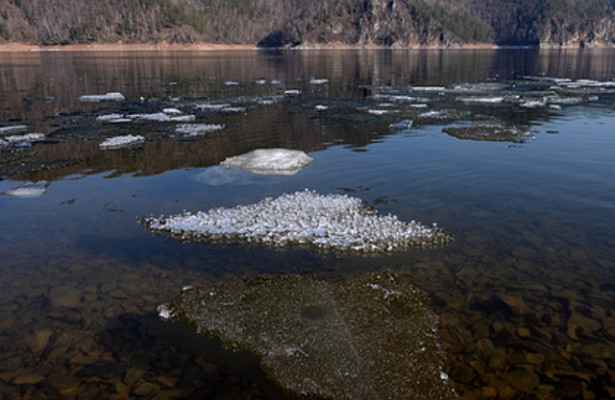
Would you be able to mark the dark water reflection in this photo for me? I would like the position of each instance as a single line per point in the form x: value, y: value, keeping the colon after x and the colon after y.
x: 525, y: 292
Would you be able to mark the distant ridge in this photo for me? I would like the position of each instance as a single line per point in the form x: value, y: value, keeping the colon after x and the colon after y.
x: 312, y: 23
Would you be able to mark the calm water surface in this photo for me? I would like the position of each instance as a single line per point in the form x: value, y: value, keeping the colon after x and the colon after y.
x: 525, y: 292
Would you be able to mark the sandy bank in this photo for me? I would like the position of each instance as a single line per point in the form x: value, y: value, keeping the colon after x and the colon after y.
x: 126, y: 47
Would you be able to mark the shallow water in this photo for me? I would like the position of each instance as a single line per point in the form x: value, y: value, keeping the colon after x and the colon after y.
x: 524, y: 292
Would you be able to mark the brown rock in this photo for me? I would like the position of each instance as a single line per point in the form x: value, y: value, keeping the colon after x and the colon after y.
x: 40, y: 340
x: 488, y: 392
x: 146, y: 388
x: 462, y: 373
x: 599, y: 350
x: 28, y: 379
x: 65, y: 384
x: 133, y: 375
x: 523, y: 380
x: 524, y: 333
x: 517, y: 304
x: 65, y: 296
x: 168, y: 381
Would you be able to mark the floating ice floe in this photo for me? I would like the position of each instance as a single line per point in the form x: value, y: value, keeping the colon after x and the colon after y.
x: 401, y: 125
x: 270, y: 161
x: 321, y: 107
x: 481, y: 100
x: 231, y: 83
x: 5, y: 130
x: 292, y: 92
x: 95, y: 98
x: 172, y: 111
x: 315, y: 81
x: 328, y: 222
x: 26, y: 139
x: 198, y: 129
x: 370, y: 336
x: 211, y: 106
x: 28, y: 190
x: 381, y: 112
x: 118, y: 142
x: 169, y: 115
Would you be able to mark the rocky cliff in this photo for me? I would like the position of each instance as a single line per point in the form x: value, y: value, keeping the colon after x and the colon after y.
x: 284, y: 23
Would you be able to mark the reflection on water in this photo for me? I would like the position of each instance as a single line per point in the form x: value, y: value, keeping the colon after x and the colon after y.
x: 524, y: 292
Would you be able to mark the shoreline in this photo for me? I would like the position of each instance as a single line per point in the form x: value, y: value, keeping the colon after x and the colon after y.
x: 164, y: 46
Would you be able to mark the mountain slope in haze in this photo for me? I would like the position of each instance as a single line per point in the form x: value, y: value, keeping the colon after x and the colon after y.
x: 284, y: 23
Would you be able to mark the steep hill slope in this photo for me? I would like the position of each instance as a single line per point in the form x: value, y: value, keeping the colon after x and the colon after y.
x: 393, y: 23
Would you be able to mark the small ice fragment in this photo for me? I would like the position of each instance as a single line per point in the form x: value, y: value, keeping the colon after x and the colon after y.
x: 29, y: 137
x: 315, y: 81
x: 270, y: 161
x: 13, y: 129
x: 231, y: 83
x: 292, y: 92
x: 164, y: 312
x: 121, y: 141
x: 111, y: 117
x: 380, y: 112
x: 172, y: 111
x: 260, y: 81
x: 28, y: 190
x: 211, y: 106
x: 198, y: 129
x: 320, y: 107
x: 94, y: 98
x: 276, y: 82
x: 403, y: 124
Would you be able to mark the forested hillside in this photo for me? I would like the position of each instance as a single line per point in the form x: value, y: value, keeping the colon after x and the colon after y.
x: 393, y: 23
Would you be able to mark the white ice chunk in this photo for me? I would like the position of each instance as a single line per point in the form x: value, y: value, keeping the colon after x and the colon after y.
x: 380, y: 112
x: 160, y: 117
x: 330, y: 222
x: 94, y: 98
x: 292, y: 92
x: 320, y: 107
x: 111, y: 117
x: 28, y: 190
x: 315, y: 81
x: 198, y: 129
x: 5, y: 130
x: 211, y: 106
x: 172, y: 111
x: 403, y: 124
x: 481, y: 100
x: 231, y: 83
x: 121, y: 141
x: 270, y: 161
x: 29, y: 137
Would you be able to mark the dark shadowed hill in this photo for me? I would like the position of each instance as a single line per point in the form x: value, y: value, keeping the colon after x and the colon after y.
x: 277, y: 23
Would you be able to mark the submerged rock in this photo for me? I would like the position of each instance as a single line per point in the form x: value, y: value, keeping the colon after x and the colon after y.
x: 368, y: 337
x: 489, y: 132
x: 270, y: 161
x: 328, y: 222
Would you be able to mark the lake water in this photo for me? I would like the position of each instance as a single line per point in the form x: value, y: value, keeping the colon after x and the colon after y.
x: 525, y: 292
